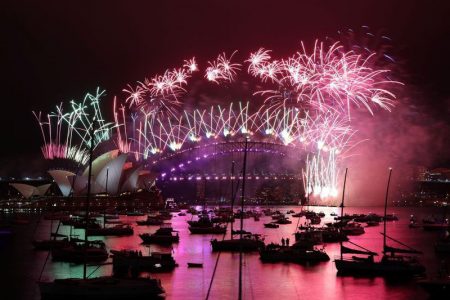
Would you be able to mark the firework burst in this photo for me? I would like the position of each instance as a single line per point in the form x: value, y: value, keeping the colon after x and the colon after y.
x: 308, y: 102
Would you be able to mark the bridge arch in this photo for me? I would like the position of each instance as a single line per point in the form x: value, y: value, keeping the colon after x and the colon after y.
x: 181, y: 159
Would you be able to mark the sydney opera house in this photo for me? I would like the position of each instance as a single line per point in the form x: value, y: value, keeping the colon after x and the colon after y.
x: 115, y: 182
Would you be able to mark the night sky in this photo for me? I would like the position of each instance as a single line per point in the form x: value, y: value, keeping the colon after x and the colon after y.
x: 53, y: 51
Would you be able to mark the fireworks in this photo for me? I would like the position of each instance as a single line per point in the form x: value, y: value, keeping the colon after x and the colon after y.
x: 159, y: 96
x: 65, y: 135
x: 325, y: 79
x: 308, y: 100
x: 222, y: 69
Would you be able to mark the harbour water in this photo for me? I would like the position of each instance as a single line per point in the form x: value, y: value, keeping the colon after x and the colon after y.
x: 21, y: 266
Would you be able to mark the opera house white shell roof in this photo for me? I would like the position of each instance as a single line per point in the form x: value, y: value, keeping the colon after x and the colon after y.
x: 110, y: 174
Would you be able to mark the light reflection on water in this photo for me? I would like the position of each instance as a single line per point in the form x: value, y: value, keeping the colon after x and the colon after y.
x: 261, y: 281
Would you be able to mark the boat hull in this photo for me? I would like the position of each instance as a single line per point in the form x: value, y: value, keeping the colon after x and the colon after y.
x: 101, y: 288
x: 207, y: 230
x: 236, y: 245
x: 293, y: 256
x: 110, y: 231
x: 351, y: 267
x: 159, y: 239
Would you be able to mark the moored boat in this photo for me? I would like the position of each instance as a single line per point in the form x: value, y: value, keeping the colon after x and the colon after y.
x: 271, y: 225
x: 248, y: 243
x: 215, y: 229
x: 151, y: 220
x: 116, y: 230
x: 91, y: 252
x: 296, y: 254
x: 391, y: 265
x: 164, y: 235
x: 101, y: 288
x: 125, y: 261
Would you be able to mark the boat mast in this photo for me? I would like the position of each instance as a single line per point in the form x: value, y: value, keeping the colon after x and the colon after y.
x: 106, y: 189
x: 86, y: 218
x: 242, y: 217
x: 385, y: 209
x: 342, y: 208
x: 232, y: 198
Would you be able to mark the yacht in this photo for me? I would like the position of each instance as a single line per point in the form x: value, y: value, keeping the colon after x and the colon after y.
x: 248, y: 243
x: 164, y: 235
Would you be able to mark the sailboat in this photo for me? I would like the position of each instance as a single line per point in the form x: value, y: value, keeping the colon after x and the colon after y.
x: 55, y: 241
x: 246, y: 242
x: 204, y: 224
x: 106, y: 287
x: 302, y: 251
x: 391, y: 264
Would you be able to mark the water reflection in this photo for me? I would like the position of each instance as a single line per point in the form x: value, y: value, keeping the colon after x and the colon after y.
x: 261, y: 281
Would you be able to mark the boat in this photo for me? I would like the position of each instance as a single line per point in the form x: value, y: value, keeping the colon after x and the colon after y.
x: 164, y: 235
x: 333, y: 214
x: 125, y: 261
x: 267, y: 212
x: 391, y: 265
x: 413, y: 224
x: 90, y: 252
x: 135, y: 214
x: 371, y: 217
x: 214, y: 229
x: 204, y: 225
x: 315, y: 220
x: 222, y: 219
x: 329, y: 234
x: 100, y: 288
x: 271, y: 225
x: 372, y: 223
x: 333, y: 235
x: 151, y: 220
x: 164, y: 215
x: 56, y: 241
x: 390, y: 217
x: 283, y: 220
x: 78, y: 223
x: 352, y: 228
x: 116, y: 230
x: 194, y: 265
x: 296, y: 253
x: 277, y: 216
x: 234, y: 232
x: 309, y: 237
x: 248, y: 243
